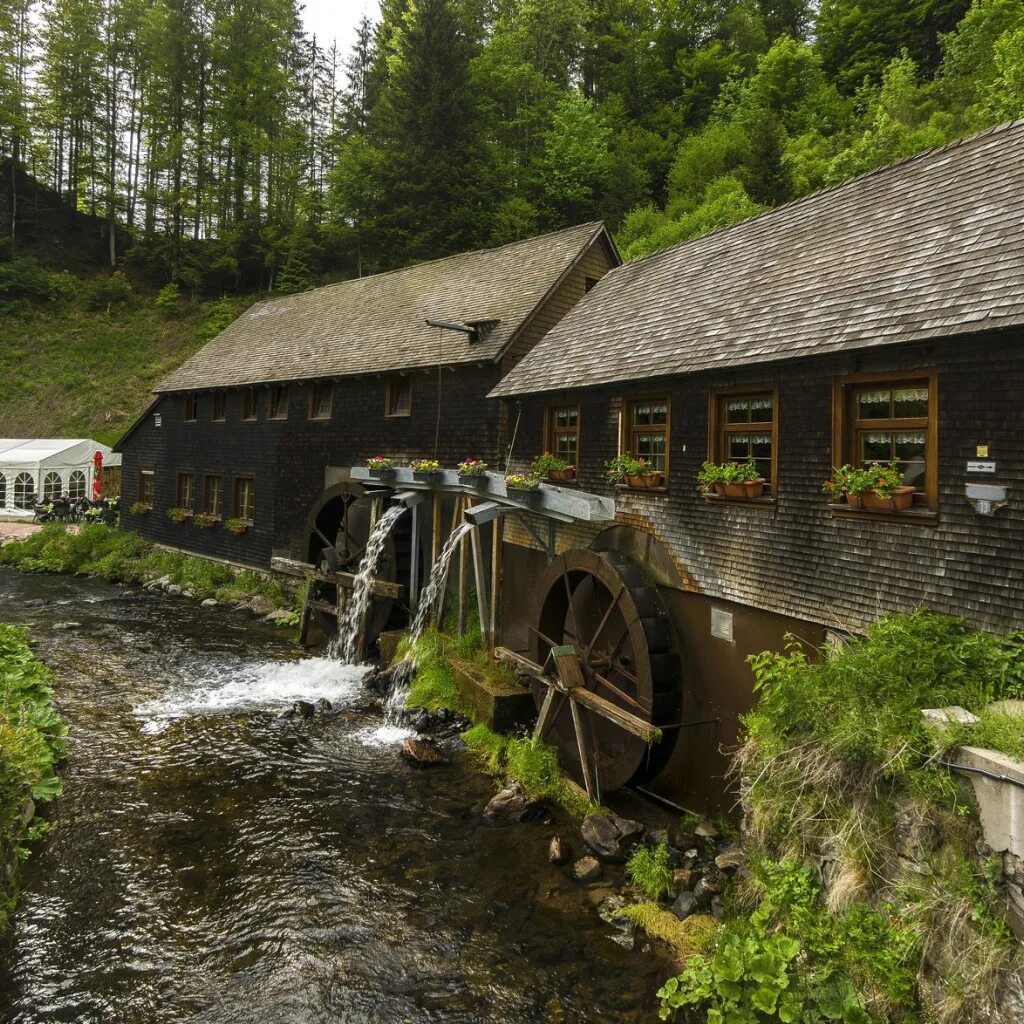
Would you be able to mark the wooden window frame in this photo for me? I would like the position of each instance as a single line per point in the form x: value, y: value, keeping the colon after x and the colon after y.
x: 844, y: 430
x: 391, y: 409
x: 190, y: 408
x: 244, y: 478
x: 552, y: 432
x: 278, y: 410
x: 179, y: 479
x: 207, y: 477
x: 219, y: 398
x: 628, y: 431
x: 718, y: 429
x: 314, y: 390
x: 250, y: 414
x: 147, y: 476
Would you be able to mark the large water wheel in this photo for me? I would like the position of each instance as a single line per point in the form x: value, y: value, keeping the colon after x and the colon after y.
x: 339, y: 529
x: 606, y: 629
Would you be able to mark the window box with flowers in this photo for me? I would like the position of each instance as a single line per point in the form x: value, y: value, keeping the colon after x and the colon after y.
x: 179, y: 514
x: 204, y: 520
x: 737, y: 480
x: 473, y: 472
x: 875, y: 488
x: 381, y: 467
x: 141, y: 508
x: 635, y: 473
x: 522, y: 487
x: 236, y: 526
x: 557, y: 470
x: 426, y: 470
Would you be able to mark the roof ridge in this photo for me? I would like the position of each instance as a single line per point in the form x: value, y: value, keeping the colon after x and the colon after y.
x: 594, y: 226
x: 827, y: 190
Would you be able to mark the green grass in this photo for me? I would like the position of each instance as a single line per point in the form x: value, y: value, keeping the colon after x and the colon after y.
x: 72, y: 371
x: 31, y: 742
x: 650, y: 872
x: 124, y: 557
x: 687, y: 938
x: 996, y: 730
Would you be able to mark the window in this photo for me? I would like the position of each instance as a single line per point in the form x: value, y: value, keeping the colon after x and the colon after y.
x: 147, y: 486
x: 51, y: 486
x: 245, y: 498
x: 185, y: 492
x: 279, y: 402
x: 3, y: 490
x: 250, y: 404
x: 76, y: 485
x: 399, y: 397
x: 220, y: 407
x: 190, y: 408
x: 743, y: 427
x: 213, y: 495
x: 647, y: 432
x: 320, y: 401
x: 881, y: 418
x: 563, y: 437
x: 24, y: 490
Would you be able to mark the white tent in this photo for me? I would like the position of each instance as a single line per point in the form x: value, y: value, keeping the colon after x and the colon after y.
x: 47, y: 467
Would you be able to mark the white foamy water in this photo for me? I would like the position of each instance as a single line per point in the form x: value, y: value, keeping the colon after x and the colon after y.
x: 383, y: 735
x: 268, y: 686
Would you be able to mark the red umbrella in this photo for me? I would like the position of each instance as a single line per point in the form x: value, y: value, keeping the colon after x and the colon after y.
x: 97, y: 480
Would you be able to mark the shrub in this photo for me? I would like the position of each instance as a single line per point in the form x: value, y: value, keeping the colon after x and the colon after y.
x: 168, y: 299
x: 650, y: 871
x: 25, y: 279
x: 105, y: 293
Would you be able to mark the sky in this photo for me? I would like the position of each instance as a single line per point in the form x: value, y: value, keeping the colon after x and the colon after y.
x: 337, y: 19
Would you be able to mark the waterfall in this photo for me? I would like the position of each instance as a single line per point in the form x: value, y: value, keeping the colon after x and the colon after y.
x: 351, y: 625
x: 428, y: 602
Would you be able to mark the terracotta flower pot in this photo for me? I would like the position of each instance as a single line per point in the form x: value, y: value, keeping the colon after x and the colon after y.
x: 562, y: 476
x: 720, y: 489
x: 902, y: 498
x: 853, y: 500
x: 734, y: 490
x: 644, y: 481
x: 754, y: 488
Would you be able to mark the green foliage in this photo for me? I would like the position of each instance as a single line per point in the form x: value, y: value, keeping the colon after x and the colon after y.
x: 712, y: 473
x: 649, y: 869
x: 168, y: 299
x: 109, y: 292
x: 25, y: 280
x: 31, y: 744
x: 616, y: 470
x: 996, y: 730
x: 883, y: 480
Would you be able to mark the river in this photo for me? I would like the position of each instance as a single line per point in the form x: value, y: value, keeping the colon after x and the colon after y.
x: 212, y: 863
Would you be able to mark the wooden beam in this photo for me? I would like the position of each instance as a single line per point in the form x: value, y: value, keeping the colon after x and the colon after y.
x: 380, y: 588
x: 497, y: 532
x: 521, y: 662
x: 480, y: 576
x: 631, y: 723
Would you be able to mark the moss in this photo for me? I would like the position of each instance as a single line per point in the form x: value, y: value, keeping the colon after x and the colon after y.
x: 687, y: 938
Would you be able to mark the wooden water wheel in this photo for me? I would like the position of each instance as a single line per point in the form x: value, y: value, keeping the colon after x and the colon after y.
x: 602, y: 627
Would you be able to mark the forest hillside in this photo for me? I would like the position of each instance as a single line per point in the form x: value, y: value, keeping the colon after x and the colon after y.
x: 164, y: 163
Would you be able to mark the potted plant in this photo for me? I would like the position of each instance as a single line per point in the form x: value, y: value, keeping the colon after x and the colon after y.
x: 141, y: 508
x: 472, y: 471
x: 204, y: 520
x: 557, y: 470
x: 179, y: 515
x: 425, y: 469
x: 731, y: 479
x: 521, y: 486
x: 380, y: 466
x: 236, y: 526
x: 874, y: 488
x: 633, y: 472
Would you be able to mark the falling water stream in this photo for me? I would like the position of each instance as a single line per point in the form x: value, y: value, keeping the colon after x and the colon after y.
x: 213, y: 863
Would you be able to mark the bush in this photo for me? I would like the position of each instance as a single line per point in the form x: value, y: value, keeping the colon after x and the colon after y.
x: 168, y: 299
x: 650, y: 871
x: 26, y: 280
x: 105, y: 293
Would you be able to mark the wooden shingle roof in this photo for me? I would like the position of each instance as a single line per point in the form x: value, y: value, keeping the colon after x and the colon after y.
x: 929, y: 247
x: 377, y: 323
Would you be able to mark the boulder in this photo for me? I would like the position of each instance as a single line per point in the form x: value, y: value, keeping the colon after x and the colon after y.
x: 511, y: 805
x: 422, y: 754
x: 277, y: 615
x: 260, y: 605
x: 707, y: 830
x: 304, y: 709
x: 731, y: 860
x: 66, y: 625
x: 559, y: 851
x: 210, y: 602
x: 685, y: 878
x: 705, y: 890
x: 610, y: 837
x: 323, y: 705
x: 173, y: 589
x: 189, y: 594
x: 685, y: 905
x: 587, y: 869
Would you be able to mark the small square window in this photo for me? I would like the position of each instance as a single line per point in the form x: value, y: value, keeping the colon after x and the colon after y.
x: 219, y: 407
x: 399, y: 398
x: 279, y: 402
x: 190, y: 408
x: 563, y: 438
x: 320, y: 401
x: 743, y: 429
x: 250, y: 404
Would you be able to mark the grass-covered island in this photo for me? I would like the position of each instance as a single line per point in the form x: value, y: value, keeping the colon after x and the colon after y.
x: 31, y: 743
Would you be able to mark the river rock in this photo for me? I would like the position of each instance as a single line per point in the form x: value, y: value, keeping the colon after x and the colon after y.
x: 705, y: 890
x: 610, y: 837
x: 260, y: 605
x: 511, y: 805
x: 66, y: 625
x: 210, y: 602
x: 189, y: 594
x: 559, y: 851
x: 685, y: 878
x: 718, y: 908
x: 707, y: 830
x: 685, y: 904
x: 422, y: 754
x: 34, y: 602
x: 731, y: 860
x: 304, y: 709
x: 173, y: 589
x: 277, y: 615
x: 287, y: 712
x: 587, y: 869
x: 323, y: 705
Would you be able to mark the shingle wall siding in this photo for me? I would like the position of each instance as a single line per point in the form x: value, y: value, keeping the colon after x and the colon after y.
x: 795, y: 558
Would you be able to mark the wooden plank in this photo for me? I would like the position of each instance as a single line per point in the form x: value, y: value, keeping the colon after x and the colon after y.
x: 497, y: 532
x: 520, y: 661
x: 637, y: 726
x: 480, y: 576
x: 581, y: 746
x: 291, y: 567
x: 543, y: 719
x: 567, y: 665
x: 380, y: 588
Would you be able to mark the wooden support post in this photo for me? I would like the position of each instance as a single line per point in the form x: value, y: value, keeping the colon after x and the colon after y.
x: 414, y: 567
x: 497, y: 533
x: 463, y: 587
x: 581, y: 746
x: 480, y: 576
x: 435, y: 531
x: 545, y: 717
x: 306, y: 614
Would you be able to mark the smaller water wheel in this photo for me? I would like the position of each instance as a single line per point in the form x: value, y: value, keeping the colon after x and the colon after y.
x: 339, y: 531
x: 609, y: 676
